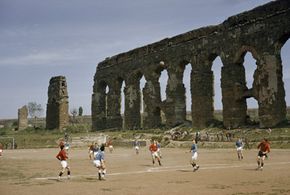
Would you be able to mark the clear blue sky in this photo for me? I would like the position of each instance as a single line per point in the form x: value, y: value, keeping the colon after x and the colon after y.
x: 41, y: 39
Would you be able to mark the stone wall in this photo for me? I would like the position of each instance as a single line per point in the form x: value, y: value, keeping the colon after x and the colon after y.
x: 262, y: 32
x: 22, y: 118
x: 57, y: 115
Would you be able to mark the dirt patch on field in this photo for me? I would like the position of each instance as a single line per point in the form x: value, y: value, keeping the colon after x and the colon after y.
x: 35, y: 171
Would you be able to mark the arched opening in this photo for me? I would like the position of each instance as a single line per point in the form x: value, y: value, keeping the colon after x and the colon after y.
x: 285, y: 57
x: 142, y: 85
x: 123, y: 85
x: 163, y: 79
x: 186, y: 83
x: 217, y: 99
x: 252, y: 104
x: 107, y: 90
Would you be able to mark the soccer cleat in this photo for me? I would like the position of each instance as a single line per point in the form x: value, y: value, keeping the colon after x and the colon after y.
x: 261, y: 168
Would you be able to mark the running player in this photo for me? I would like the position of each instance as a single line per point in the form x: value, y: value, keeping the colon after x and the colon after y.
x: 110, y: 146
x: 99, y: 162
x: 264, y: 149
x: 194, y: 156
x: 239, y: 146
x: 154, y: 152
x: 62, y: 157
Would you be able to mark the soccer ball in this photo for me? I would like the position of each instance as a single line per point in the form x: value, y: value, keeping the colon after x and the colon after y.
x: 162, y: 63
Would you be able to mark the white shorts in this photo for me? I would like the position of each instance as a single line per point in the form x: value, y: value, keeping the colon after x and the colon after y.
x: 97, y: 163
x: 137, y: 147
x: 194, y: 156
x: 91, y: 152
x: 1, y: 150
x: 239, y: 148
x: 155, y: 155
x: 63, y: 163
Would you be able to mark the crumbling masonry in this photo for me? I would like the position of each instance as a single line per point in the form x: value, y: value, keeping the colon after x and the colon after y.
x: 262, y: 31
x: 57, y: 105
x: 22, y: 118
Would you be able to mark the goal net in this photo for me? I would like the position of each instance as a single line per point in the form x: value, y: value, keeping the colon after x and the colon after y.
x: 8, y: 142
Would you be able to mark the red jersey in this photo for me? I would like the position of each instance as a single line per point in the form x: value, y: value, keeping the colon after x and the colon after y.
x: 153, y: 148
x: 62, y: 155
x: 264, y: 146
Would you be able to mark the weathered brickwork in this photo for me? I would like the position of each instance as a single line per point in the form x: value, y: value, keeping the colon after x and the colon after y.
x: 262, y: 31
x: 57, y: 105
x: 22, y: 118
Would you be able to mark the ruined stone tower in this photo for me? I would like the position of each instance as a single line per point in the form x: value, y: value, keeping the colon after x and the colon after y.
x: 22, y: 118
x: 57, y: 104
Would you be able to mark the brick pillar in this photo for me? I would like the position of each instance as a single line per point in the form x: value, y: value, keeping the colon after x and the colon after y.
x: 132, y: 104
x: 152, y: 102
x: 202, y: 93
x: 57, y: 105
x: 99, y: 106
x: 269, y: 90
x: 175, y: 108
x: 22, y: 118
x: 233, y: 86
x: 114, y: 118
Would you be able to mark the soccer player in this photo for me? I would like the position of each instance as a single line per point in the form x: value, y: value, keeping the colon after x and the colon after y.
x: 193, y: 150
x: 264, y: 149
x: 159, y: 149
x: 154, y: 152
x: 110, y: 146
x: 136, y: 145
x: 62, y: 157
x: 99, y: 162
x: 239, y: 146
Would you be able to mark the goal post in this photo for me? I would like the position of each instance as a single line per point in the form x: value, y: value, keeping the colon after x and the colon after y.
x: 7, y: 142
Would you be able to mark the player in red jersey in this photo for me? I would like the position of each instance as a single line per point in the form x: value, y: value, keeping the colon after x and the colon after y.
x: 62, y: 157
x: 154, y: 152
x: 264, y: 149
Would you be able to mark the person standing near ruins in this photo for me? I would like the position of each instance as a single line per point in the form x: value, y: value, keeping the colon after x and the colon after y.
x: 154, y: 152
x: 239, y: 147
x: 63, y: 157
x: 99, y: 162
x: 264, y: 149
x: 193, y: 160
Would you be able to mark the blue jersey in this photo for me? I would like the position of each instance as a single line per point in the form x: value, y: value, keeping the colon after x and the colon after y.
x: 100, y: 155
x: 194, y: 148
x: 239, y: 144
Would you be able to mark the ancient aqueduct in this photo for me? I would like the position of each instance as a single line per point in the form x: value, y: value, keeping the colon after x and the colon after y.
x: 262, y: 31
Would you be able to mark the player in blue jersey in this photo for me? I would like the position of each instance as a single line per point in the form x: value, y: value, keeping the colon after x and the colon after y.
x: 193, y: 160
x: 240, y: 146
x: 99, y: 162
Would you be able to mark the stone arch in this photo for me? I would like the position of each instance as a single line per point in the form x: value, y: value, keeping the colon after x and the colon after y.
x: 249, y: 94
x: 186, y: 69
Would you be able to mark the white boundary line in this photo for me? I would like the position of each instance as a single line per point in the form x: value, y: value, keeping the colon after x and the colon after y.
x: 172, y: 168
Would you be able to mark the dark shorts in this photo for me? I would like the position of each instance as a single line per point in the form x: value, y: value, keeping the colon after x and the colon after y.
x: 261, y: 154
